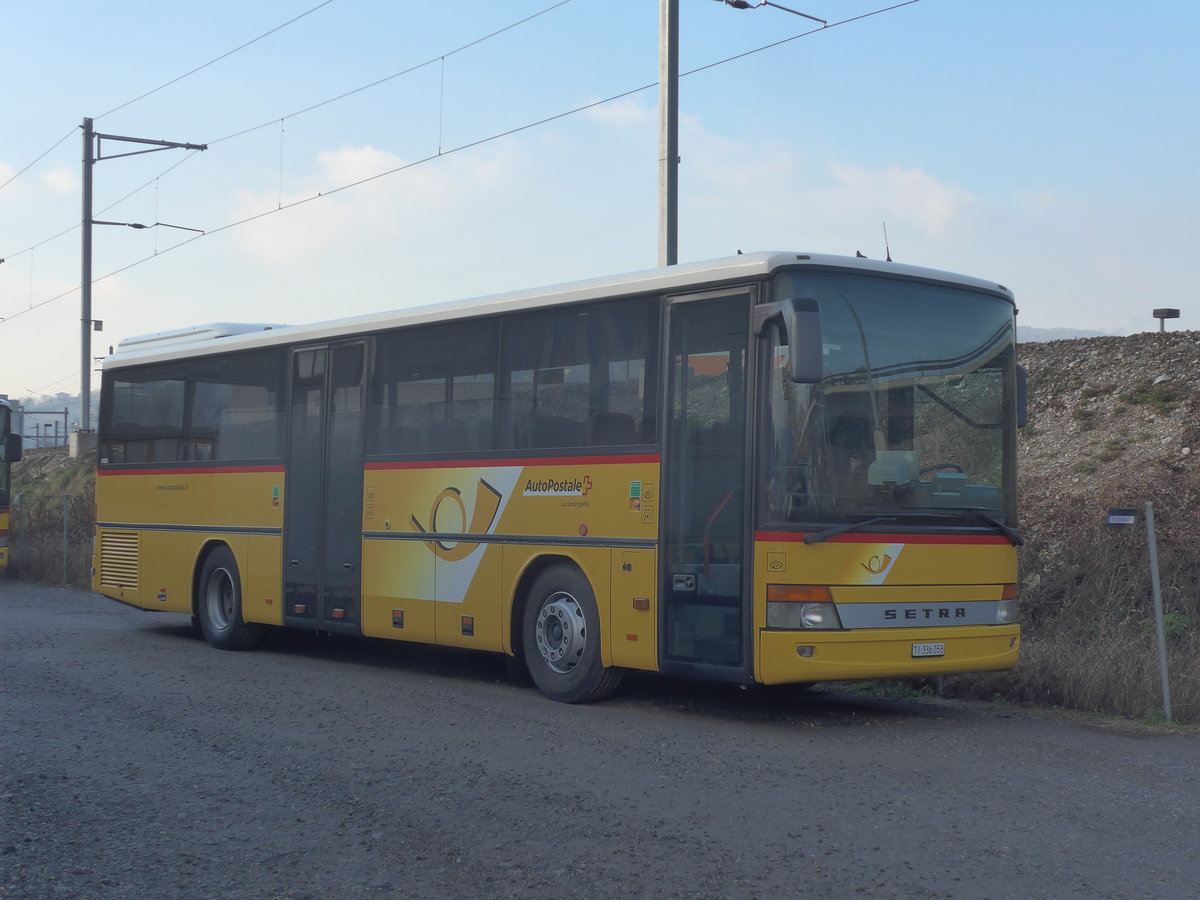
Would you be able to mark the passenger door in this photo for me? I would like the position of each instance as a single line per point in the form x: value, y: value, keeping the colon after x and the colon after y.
x: 706, y: 605
x: 322, y: 528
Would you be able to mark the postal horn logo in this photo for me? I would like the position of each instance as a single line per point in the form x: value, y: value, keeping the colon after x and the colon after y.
x: 487, y: 503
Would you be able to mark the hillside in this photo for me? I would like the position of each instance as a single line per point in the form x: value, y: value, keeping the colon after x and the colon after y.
x: 1117, y: 415
x: 1113, y: 421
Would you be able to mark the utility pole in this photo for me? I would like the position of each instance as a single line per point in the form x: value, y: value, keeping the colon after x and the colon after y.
x: 91, y: 155
x: 668, y: 120
x: 668, y: 133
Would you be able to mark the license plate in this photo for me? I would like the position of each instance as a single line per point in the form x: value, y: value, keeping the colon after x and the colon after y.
x: 930, y: 648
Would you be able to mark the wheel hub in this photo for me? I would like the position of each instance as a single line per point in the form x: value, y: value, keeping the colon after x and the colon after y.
x: 219, y: 598
x: 561, y: 632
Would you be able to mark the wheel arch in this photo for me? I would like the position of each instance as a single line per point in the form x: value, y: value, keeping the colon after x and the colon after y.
x: 206, y: 548
x: 533, y: 569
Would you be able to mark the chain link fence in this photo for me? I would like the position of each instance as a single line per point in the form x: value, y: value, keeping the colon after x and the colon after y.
x: 50, y: 539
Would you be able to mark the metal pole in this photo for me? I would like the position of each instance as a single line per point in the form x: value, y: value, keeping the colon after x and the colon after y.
x: 66, y: 536
x: 85, y: 283
x: 668, y: 133
x: 1159, y: 630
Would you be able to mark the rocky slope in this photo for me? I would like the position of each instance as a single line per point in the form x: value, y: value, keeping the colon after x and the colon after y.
x: 1113, y: 421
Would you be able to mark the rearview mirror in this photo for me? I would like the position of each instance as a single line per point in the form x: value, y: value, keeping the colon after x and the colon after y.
x: 803, y: 317
x: 799, y: 324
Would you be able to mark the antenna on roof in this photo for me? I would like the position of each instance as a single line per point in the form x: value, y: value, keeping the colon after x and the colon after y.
x: 886, y: 248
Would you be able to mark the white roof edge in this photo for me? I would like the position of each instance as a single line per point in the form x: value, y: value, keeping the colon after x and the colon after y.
x: 200, y: 339
x: 190, y: 334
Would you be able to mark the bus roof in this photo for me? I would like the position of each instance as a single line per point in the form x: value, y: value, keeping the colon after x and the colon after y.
x: 224, y: 337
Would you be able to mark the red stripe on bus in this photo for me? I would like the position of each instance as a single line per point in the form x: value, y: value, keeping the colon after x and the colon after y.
x: 652, y: 458
x: 198, y: 470
x: 872, y: 538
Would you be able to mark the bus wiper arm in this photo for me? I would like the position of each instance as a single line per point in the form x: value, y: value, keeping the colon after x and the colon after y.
x: 1007, y: 530
x: 817, y: 537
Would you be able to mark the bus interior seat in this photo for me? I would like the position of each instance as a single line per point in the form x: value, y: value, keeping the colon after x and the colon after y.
x: 406, y: 439
x: 611, y: 429
x: 556, y: 431
x: 448, y: 435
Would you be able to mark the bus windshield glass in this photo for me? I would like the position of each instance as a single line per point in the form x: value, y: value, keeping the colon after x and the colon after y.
x: 911, y: 424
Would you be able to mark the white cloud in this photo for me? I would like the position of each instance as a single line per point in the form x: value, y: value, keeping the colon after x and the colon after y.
x: 897, y: 194
x: 62, y: 180
x: 763, y: 195
x: 378, y: 208
x: 625, y: 113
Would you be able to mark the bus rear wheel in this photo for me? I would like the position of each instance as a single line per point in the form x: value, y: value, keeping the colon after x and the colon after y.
x: 219, y: 604
x: 561, y: 638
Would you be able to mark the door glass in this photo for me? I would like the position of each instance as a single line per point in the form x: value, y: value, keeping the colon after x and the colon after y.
x: 343, y: 486
x: 706, y: 464
x: 302, y: 496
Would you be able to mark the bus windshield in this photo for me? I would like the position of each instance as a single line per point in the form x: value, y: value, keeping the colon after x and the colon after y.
x: 911, y: 422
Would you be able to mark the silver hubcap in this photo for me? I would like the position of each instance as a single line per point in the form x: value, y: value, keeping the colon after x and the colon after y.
x: 561, y: 632
x: 219, y: 598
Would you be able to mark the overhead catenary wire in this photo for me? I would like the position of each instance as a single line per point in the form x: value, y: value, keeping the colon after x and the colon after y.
x: 280, y: 120
x: 413, y: 68
x: 442, y: 154
x: 175, y: 80
x: 179, y: 78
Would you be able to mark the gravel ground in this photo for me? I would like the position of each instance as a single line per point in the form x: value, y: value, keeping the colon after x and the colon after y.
x: 138, y: 762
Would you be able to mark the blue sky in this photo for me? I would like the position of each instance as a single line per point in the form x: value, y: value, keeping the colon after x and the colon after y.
x: 1047, y: 146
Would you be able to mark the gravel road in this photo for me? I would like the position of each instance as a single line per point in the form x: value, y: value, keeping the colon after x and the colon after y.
x: 138, y: 762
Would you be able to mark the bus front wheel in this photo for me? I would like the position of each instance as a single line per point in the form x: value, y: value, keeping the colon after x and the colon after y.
x: 219, y: 604
x: 561, y: 638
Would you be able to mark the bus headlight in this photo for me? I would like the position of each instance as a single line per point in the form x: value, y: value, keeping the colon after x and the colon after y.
x: 794, y: 606
x: 1006, y: 611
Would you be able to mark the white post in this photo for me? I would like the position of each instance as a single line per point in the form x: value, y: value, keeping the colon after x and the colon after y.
x: 1159, y: 630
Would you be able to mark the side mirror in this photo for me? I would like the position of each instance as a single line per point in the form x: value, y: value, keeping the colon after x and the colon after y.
x: 12, y: 448
x: 803, y: 316
x: 799, y: 324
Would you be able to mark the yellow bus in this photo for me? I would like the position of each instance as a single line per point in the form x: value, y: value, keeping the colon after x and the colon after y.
x: 773, y: 468
x: 10, y: 452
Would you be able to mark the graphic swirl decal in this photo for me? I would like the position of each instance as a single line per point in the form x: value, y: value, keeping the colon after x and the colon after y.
x: 487, y: 504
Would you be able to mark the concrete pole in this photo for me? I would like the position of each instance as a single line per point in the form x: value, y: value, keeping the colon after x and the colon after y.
x: 668, y: 133
x: 85, y: 283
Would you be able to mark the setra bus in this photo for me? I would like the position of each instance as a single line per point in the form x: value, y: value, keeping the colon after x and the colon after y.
x: 773, y: 468
x: 10, y: 452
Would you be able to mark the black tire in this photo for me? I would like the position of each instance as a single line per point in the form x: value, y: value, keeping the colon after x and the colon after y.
x: 560, y: 634
x: 219, y: 604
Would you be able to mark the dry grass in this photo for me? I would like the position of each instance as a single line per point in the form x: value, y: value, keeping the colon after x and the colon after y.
x: 1087, y: 609
x: 51, y: 524
x: 51, y: 540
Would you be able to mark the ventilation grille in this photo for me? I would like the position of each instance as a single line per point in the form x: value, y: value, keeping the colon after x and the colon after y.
x: 119, y: 559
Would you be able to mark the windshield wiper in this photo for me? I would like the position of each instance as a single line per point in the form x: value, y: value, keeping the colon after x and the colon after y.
x: 978, y: 512
x: 817, y: 537
x: 1012, y: 534
x: 1007, y: 530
